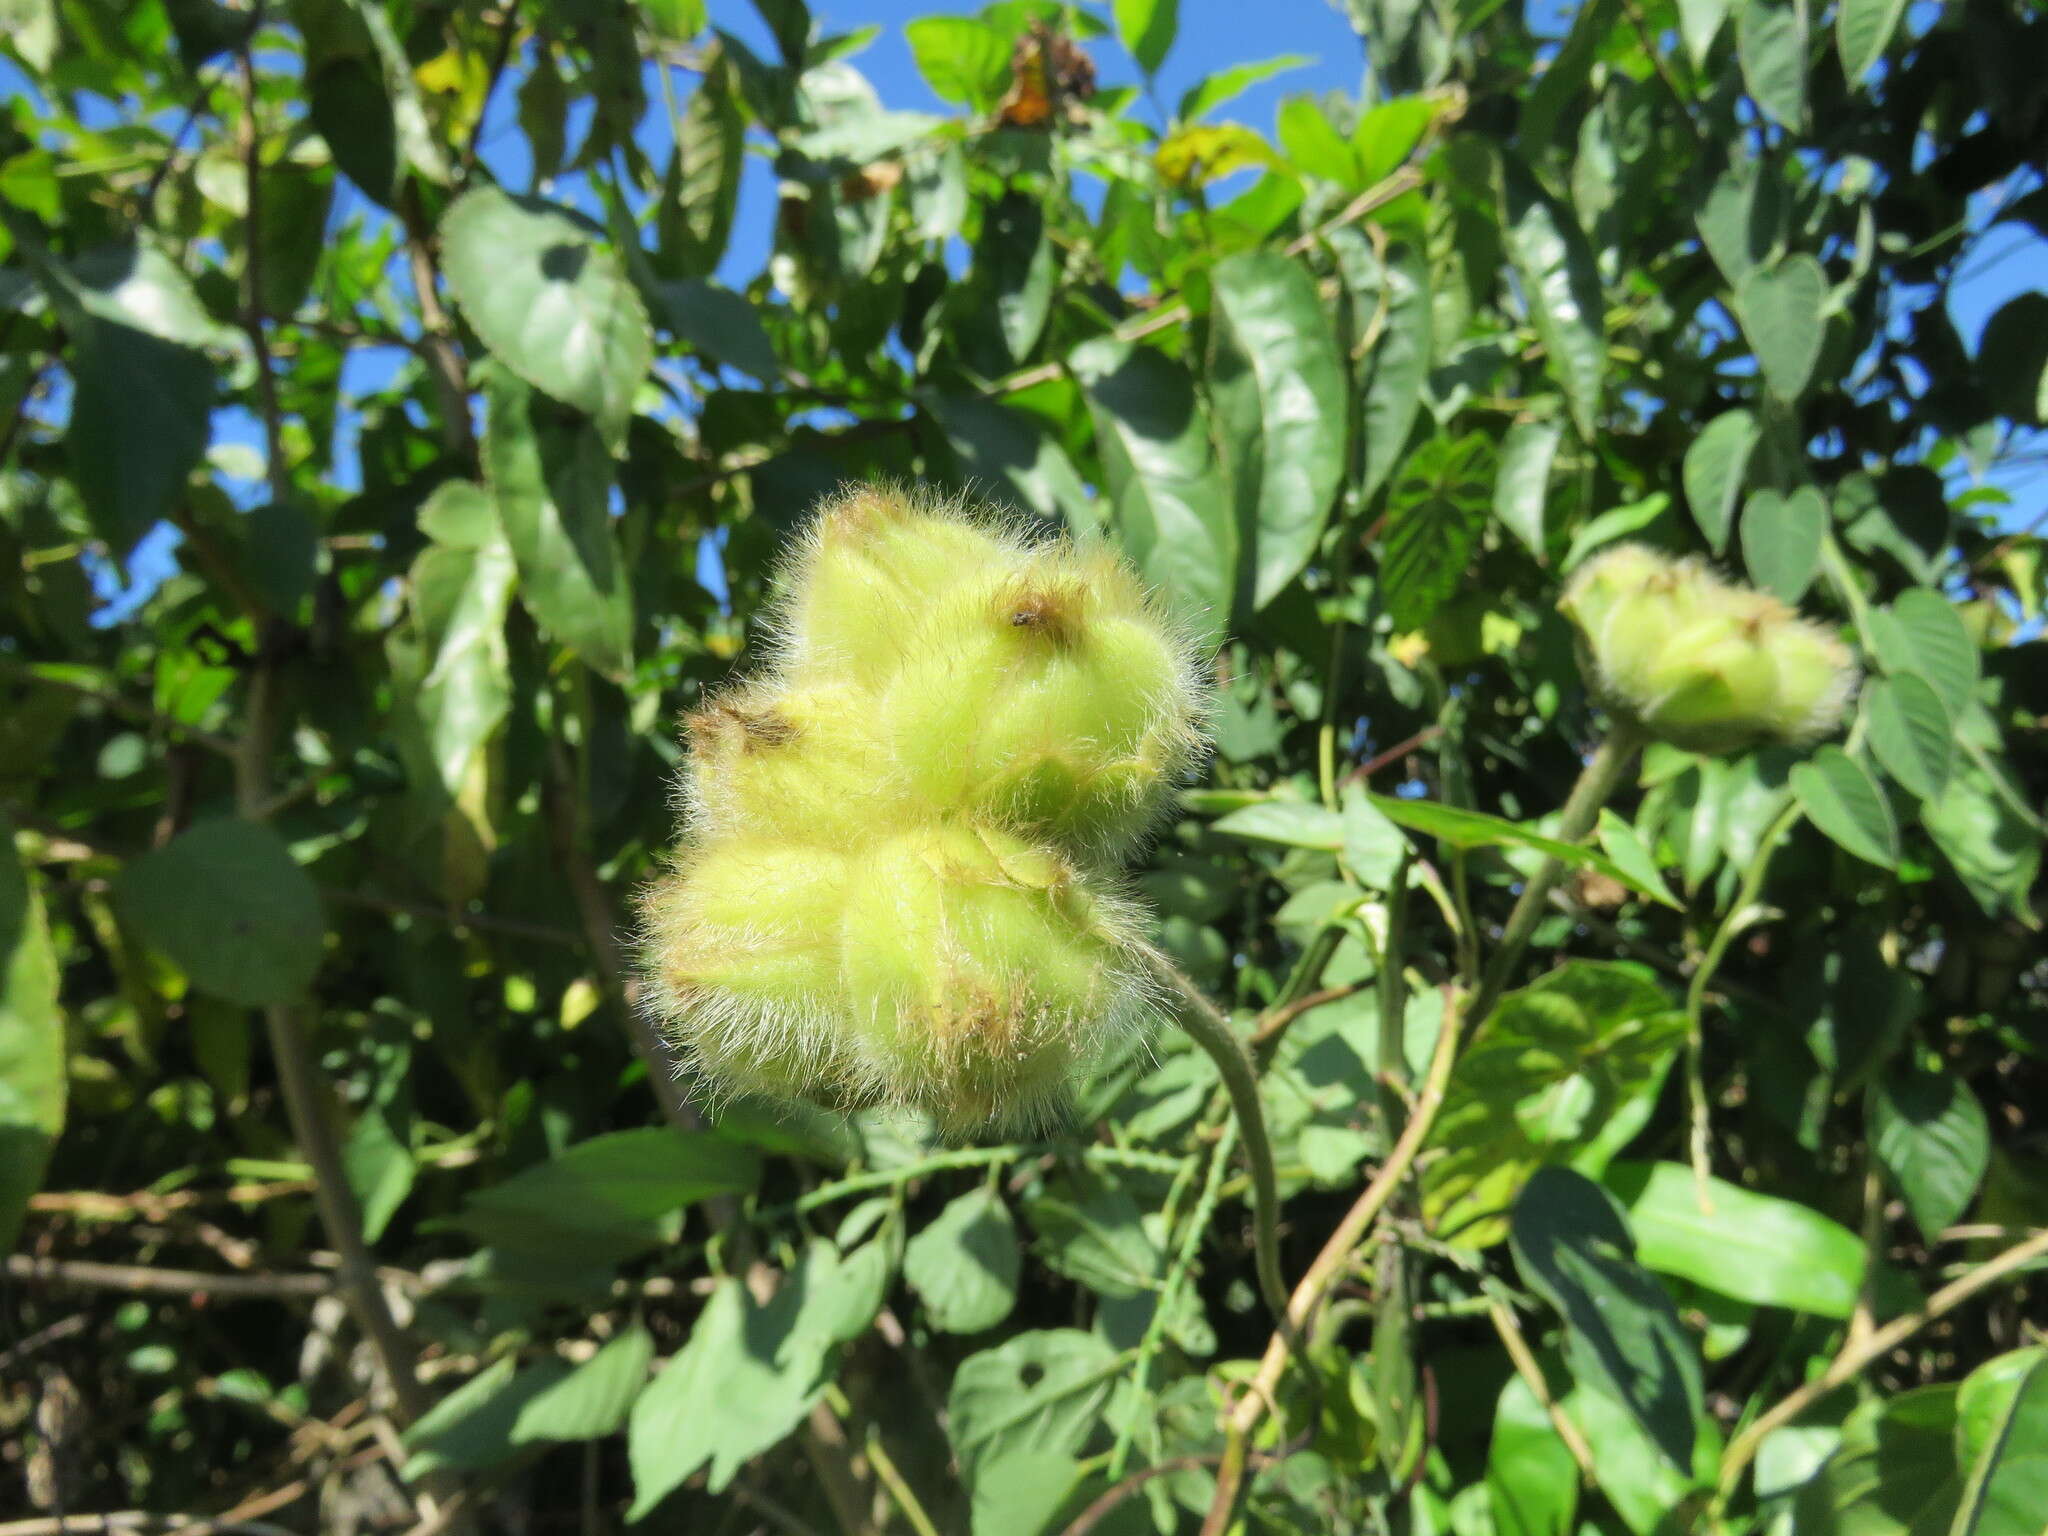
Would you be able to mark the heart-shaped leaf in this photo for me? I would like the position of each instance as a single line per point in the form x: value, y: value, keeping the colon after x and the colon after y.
x: 1781, y: 538
x: 1780, y: 309
x: 1715, y: 465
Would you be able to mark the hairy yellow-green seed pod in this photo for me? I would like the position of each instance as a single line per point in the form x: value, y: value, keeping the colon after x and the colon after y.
x: 850, y: 592
x: 1700, y: 662
x: 952, y: 969
x: 1054, y: 699
x: 801, y: 761
x: 894, y: 883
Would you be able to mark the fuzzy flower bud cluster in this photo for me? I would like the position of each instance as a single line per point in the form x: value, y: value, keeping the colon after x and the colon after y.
x: 897, y: 878
x: 1701, y: 662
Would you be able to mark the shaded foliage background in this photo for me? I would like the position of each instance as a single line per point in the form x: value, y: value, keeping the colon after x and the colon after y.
x: 322, y: 1111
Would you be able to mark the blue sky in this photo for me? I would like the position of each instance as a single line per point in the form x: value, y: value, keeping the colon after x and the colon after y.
x: 1212, y: 35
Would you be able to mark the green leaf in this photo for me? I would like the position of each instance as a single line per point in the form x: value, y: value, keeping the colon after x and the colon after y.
x: 1566, y: 1070
x: 608, y: 1196
x: 1770, y: 39
x: 965, y: 1264
x: 1845, y: 802
x: 32, y: 1074
x: 1022, y: 1493
x: 1005, y: 449
x: 551, y: 301
x: 701, y: 190
x: 140, y: 415
x: 1781, y: 315
x: 2006, y: 1403
x: 1456, y: 827
x: 551, y: 479
x: 591, y: 1401
x: 1095, y: 1233
x: 1561, y: 287
x: 1781, y: 539
x: 1014, y: 262
x: 1287, y: 821
x: 1699, y: 21
x: 1633, y: 857
x: 746, y: 1378
x: 1395, y: 297
x: 461, y: 591
x: 1894, y: 1473
x: 722, y: 325
x: 2012, y: 357
x: 1146, y: 28
x: 351, y: 109
x: 380, y: 1169
x: 470, y: 1429
x: 1374, y: 848
x: 230, y: 907
x: 1521, y: 487
x: 1035, y: 1392
x: 1436, y: 512
x: 1622, y: 1333
x: 1738, y: 219
x: 1647, y: 1491
x: 1532, y: 1483
x: 1278, y: 384
x: 1228, y: 84
x: 1562, y: 84
x: 1172, y: 509
x: 1922, y: 632
x: 676, y: 20
x: 1996, y: 852
x: 1863, y: 30
x: 1933, y: 1142
x: 1752, y: 1247
x: 1911, y: 732
x: 962, y: 60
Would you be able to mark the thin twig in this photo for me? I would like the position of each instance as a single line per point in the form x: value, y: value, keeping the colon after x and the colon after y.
x: 150, y: 1279
x: 1510, y: 1332
x: 899, y: 1489
x: 1850, y: 1363
x: 27, y: 672
x: 140, y: 1520
x: 1322, y: 1274
x: 601, y: 930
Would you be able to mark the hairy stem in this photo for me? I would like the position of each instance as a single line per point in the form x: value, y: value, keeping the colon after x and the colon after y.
x: 1208, y: 1028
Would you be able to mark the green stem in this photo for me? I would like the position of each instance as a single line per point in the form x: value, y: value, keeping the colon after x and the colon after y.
x: 1208, y: 1028
x: 1742, y: 914
x: 1602, y: 776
